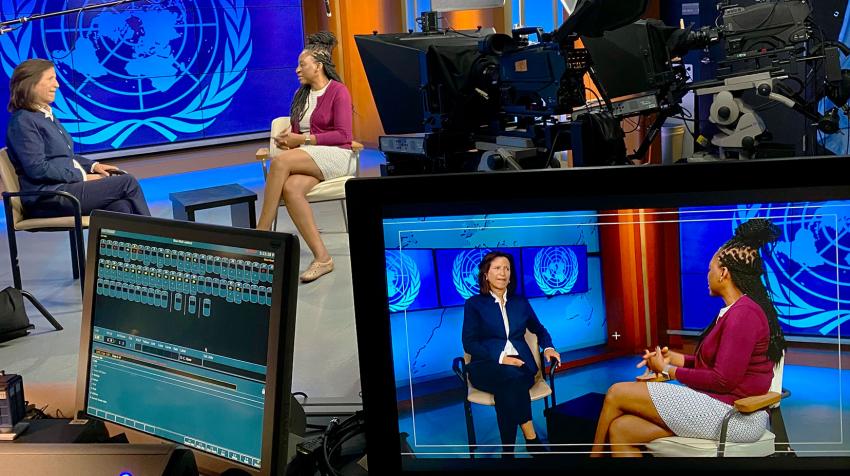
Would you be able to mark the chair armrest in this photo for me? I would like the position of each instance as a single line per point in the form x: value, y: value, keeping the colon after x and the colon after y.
x: 46, y: 193
x: 758, y: 402
x: 357, y: 146
x: 552, y: 365
x: 459, y: 368
x: 262, y: 153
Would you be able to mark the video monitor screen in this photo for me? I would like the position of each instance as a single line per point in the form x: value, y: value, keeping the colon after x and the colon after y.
x: 182, y: 325
x: 598, y: 287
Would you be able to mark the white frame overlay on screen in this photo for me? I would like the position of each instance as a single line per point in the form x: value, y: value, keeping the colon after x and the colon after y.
x: 642, y: 222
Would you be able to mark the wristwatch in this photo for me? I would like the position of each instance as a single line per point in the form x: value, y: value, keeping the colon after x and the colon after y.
x: 307, y: 139
x: 666, y: 372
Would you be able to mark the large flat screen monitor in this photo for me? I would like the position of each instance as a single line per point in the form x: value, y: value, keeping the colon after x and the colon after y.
x: 610, y: 262
x: 187, y: 336
x: 156, y: 75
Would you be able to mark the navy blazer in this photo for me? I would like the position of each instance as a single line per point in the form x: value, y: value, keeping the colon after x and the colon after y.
x: 42, y: 152
x: 484, y: 331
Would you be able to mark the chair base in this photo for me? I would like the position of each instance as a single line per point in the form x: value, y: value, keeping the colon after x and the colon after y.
x: 677, y: 446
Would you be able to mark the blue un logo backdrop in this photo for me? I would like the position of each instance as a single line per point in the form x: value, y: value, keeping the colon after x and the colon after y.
x: 160, y: 71
x: 807, y: 271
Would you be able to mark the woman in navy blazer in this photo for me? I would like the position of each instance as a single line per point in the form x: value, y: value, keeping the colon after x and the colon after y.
x: 494, y: 325
x: 42, y: 153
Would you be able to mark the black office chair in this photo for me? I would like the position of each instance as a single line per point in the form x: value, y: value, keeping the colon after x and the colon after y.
x: 15, y: 221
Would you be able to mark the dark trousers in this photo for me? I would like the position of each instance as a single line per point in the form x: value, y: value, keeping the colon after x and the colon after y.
x: 509, y: 386
x: 118, y: 193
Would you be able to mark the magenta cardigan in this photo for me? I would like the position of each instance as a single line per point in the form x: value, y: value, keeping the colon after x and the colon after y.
x: 331, y: 120
x: 731, y: 362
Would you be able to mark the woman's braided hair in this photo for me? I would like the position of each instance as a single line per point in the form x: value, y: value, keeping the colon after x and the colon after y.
x: 741, y: 255
x: 320, y: 45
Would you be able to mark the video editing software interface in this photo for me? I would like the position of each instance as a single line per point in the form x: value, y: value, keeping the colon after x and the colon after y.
x: 180, y: 345
x: 567, y: 265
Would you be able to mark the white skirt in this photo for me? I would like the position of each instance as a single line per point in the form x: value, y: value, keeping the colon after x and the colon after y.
x: 692, y: 414
x: 332, y: 161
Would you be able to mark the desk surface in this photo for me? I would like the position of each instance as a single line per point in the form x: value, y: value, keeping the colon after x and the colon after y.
x: 62, y: 430
x: 213, y: 196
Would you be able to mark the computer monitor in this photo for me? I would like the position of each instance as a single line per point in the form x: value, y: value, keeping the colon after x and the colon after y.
x: 612, y: 261
x: 187, y: 336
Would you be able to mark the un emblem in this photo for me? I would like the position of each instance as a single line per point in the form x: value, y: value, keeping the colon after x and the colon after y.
x: 808, y: 273
x: 465, y: 271
x: 403, y: 281
x: 556, y: 270
x: 168, y: 65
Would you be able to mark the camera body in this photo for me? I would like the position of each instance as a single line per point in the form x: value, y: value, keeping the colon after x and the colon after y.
x: 770, y: 25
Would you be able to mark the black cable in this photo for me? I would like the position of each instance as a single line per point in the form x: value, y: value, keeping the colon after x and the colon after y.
x: 35, y: 413
x: 685, y: 119
x: 72, y: 45
x: 599, y: 101
x: 342, y: 438
x: 350, y: 428
x: 461, y: 33
x: 325, y: 436
x: 685, y: 123
x: 636, y: 124
x: 337, y: 434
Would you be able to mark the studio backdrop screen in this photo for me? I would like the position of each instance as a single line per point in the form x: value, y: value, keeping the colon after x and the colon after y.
x: 806, y: 273
x: 155, y: 72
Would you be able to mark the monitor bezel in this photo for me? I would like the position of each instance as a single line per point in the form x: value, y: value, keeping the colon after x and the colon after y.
x: 371, y: 200
x: 285, y: 247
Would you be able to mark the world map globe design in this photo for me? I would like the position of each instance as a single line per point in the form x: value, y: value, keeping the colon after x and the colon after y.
x: 403, y: 280
x: 556, y: 270
x: 135, y: 59
x: 465, y: 271
x: 808, y: 272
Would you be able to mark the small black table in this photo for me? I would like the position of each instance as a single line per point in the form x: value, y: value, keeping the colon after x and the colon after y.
x: 240, y: 199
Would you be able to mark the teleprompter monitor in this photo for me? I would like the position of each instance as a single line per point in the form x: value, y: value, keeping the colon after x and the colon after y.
x: 613, y: 261
x: 187, y: 337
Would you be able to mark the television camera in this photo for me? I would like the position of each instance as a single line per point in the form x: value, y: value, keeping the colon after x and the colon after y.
x: 482, y: 100
x: 477, y: 91
x: 766, y: 44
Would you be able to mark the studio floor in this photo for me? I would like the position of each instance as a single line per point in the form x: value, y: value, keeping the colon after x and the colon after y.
x: 817, y: 414
x: 326, y: 364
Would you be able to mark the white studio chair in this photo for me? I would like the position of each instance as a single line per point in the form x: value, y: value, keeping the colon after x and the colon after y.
x: 325, y: 191
x: 774, y: 440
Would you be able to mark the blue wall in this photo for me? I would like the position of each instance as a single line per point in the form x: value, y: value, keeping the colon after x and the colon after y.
x: 161, y: 71
x: 808, y: 272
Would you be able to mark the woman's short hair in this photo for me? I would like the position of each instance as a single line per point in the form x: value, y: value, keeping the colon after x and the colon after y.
x: 23, y: 81
x: 484, y: 268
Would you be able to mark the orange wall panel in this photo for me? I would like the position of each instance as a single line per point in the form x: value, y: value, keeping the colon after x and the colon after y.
x: 349, y: 18
x: 472, y: 19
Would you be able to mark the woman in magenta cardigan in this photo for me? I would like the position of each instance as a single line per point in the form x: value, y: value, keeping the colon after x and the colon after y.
x: 316, y: 147
x: 734, y: 359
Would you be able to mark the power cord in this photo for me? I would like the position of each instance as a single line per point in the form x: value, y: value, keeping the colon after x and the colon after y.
x: 321, y: 454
